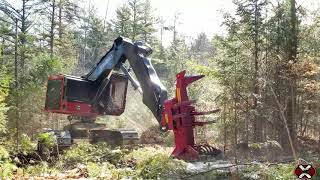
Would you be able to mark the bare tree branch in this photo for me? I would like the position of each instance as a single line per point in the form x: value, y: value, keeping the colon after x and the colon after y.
x: 283, y: 117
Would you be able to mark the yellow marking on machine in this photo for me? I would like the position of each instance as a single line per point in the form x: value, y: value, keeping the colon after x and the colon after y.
x: 166, y: 118
x: 178, y: 94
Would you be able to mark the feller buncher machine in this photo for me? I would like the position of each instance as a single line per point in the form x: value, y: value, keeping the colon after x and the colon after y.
x: 103, y: 91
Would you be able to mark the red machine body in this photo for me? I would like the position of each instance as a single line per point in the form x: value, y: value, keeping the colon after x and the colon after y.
x: 57, y: 93
x: 179, y: 116
x: 73, y: 96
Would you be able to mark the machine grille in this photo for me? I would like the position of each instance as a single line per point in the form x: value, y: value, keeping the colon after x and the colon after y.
x: 113, y: 98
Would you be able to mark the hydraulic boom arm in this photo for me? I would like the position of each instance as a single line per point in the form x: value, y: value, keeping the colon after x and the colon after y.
x: 153, y: 92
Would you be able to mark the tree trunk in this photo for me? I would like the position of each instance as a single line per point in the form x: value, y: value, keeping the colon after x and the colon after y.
x: 319, y: 140
x: 23, y: 33
x: 145, y: 34
x: 247, y: 124
x: 16, y: 81
x: 134, y: 20
x: 60, y: 20
x: 176, y: 16
x: 257, y: 120
x: 16, y: 54
x: 224, y: 126
x: 1, y: 52
x: 291, y: 86
x: 52, y: 28
x: 235, y: 124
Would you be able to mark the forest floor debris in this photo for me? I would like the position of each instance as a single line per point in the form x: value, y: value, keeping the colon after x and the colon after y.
x: 198, y: 167
x: 87, y: 161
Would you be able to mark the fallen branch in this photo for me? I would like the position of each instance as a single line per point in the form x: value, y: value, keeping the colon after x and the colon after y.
x: 204, y: 172
x: 236, y: 165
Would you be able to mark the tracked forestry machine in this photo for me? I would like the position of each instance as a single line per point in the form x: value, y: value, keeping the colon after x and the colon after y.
x: 103, y: 92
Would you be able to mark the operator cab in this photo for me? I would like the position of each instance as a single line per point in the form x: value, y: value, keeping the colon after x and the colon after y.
x: 77, y: 96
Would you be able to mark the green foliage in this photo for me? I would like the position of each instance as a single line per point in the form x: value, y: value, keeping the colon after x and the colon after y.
x: 103, y: 170
x: 148, y: 22
x: 85, y: 153
x: 169, y: 139
x: 122, y: 21
x: 125, y: 173
x: 27, y: 102
x: 145, y: 153
x: 135, y: 20
x: 248, y: 60
x: 136, y: 8
x: 252, y: 172
x: 41, y: 169
x: 212, y: 175
x: 202, y: 50
x: 277, y: 172
x: 26, y: 145
x: 9, y: 145
x: 144, y: 163
x: 92, y: 41
x: 6, y: 167
x: 4, y: 91
x: 4, y: 155
x: 6, y: 170
x: 47, y: 139
x: 81, y: 153
x: 154, y: 162
x: 161, y: 165
x: 3, y: 123
x: 43, y: 66
x: 208, y: 71
x: 255, y: 146
x: 280, y: 171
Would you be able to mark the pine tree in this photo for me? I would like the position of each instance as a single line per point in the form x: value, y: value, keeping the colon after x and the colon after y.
x: 251, y: 29
x: 148, y: 22
x: 92, y: 41
x: 122, y: 22
x: 136, y: 8
x: 202, y: 49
